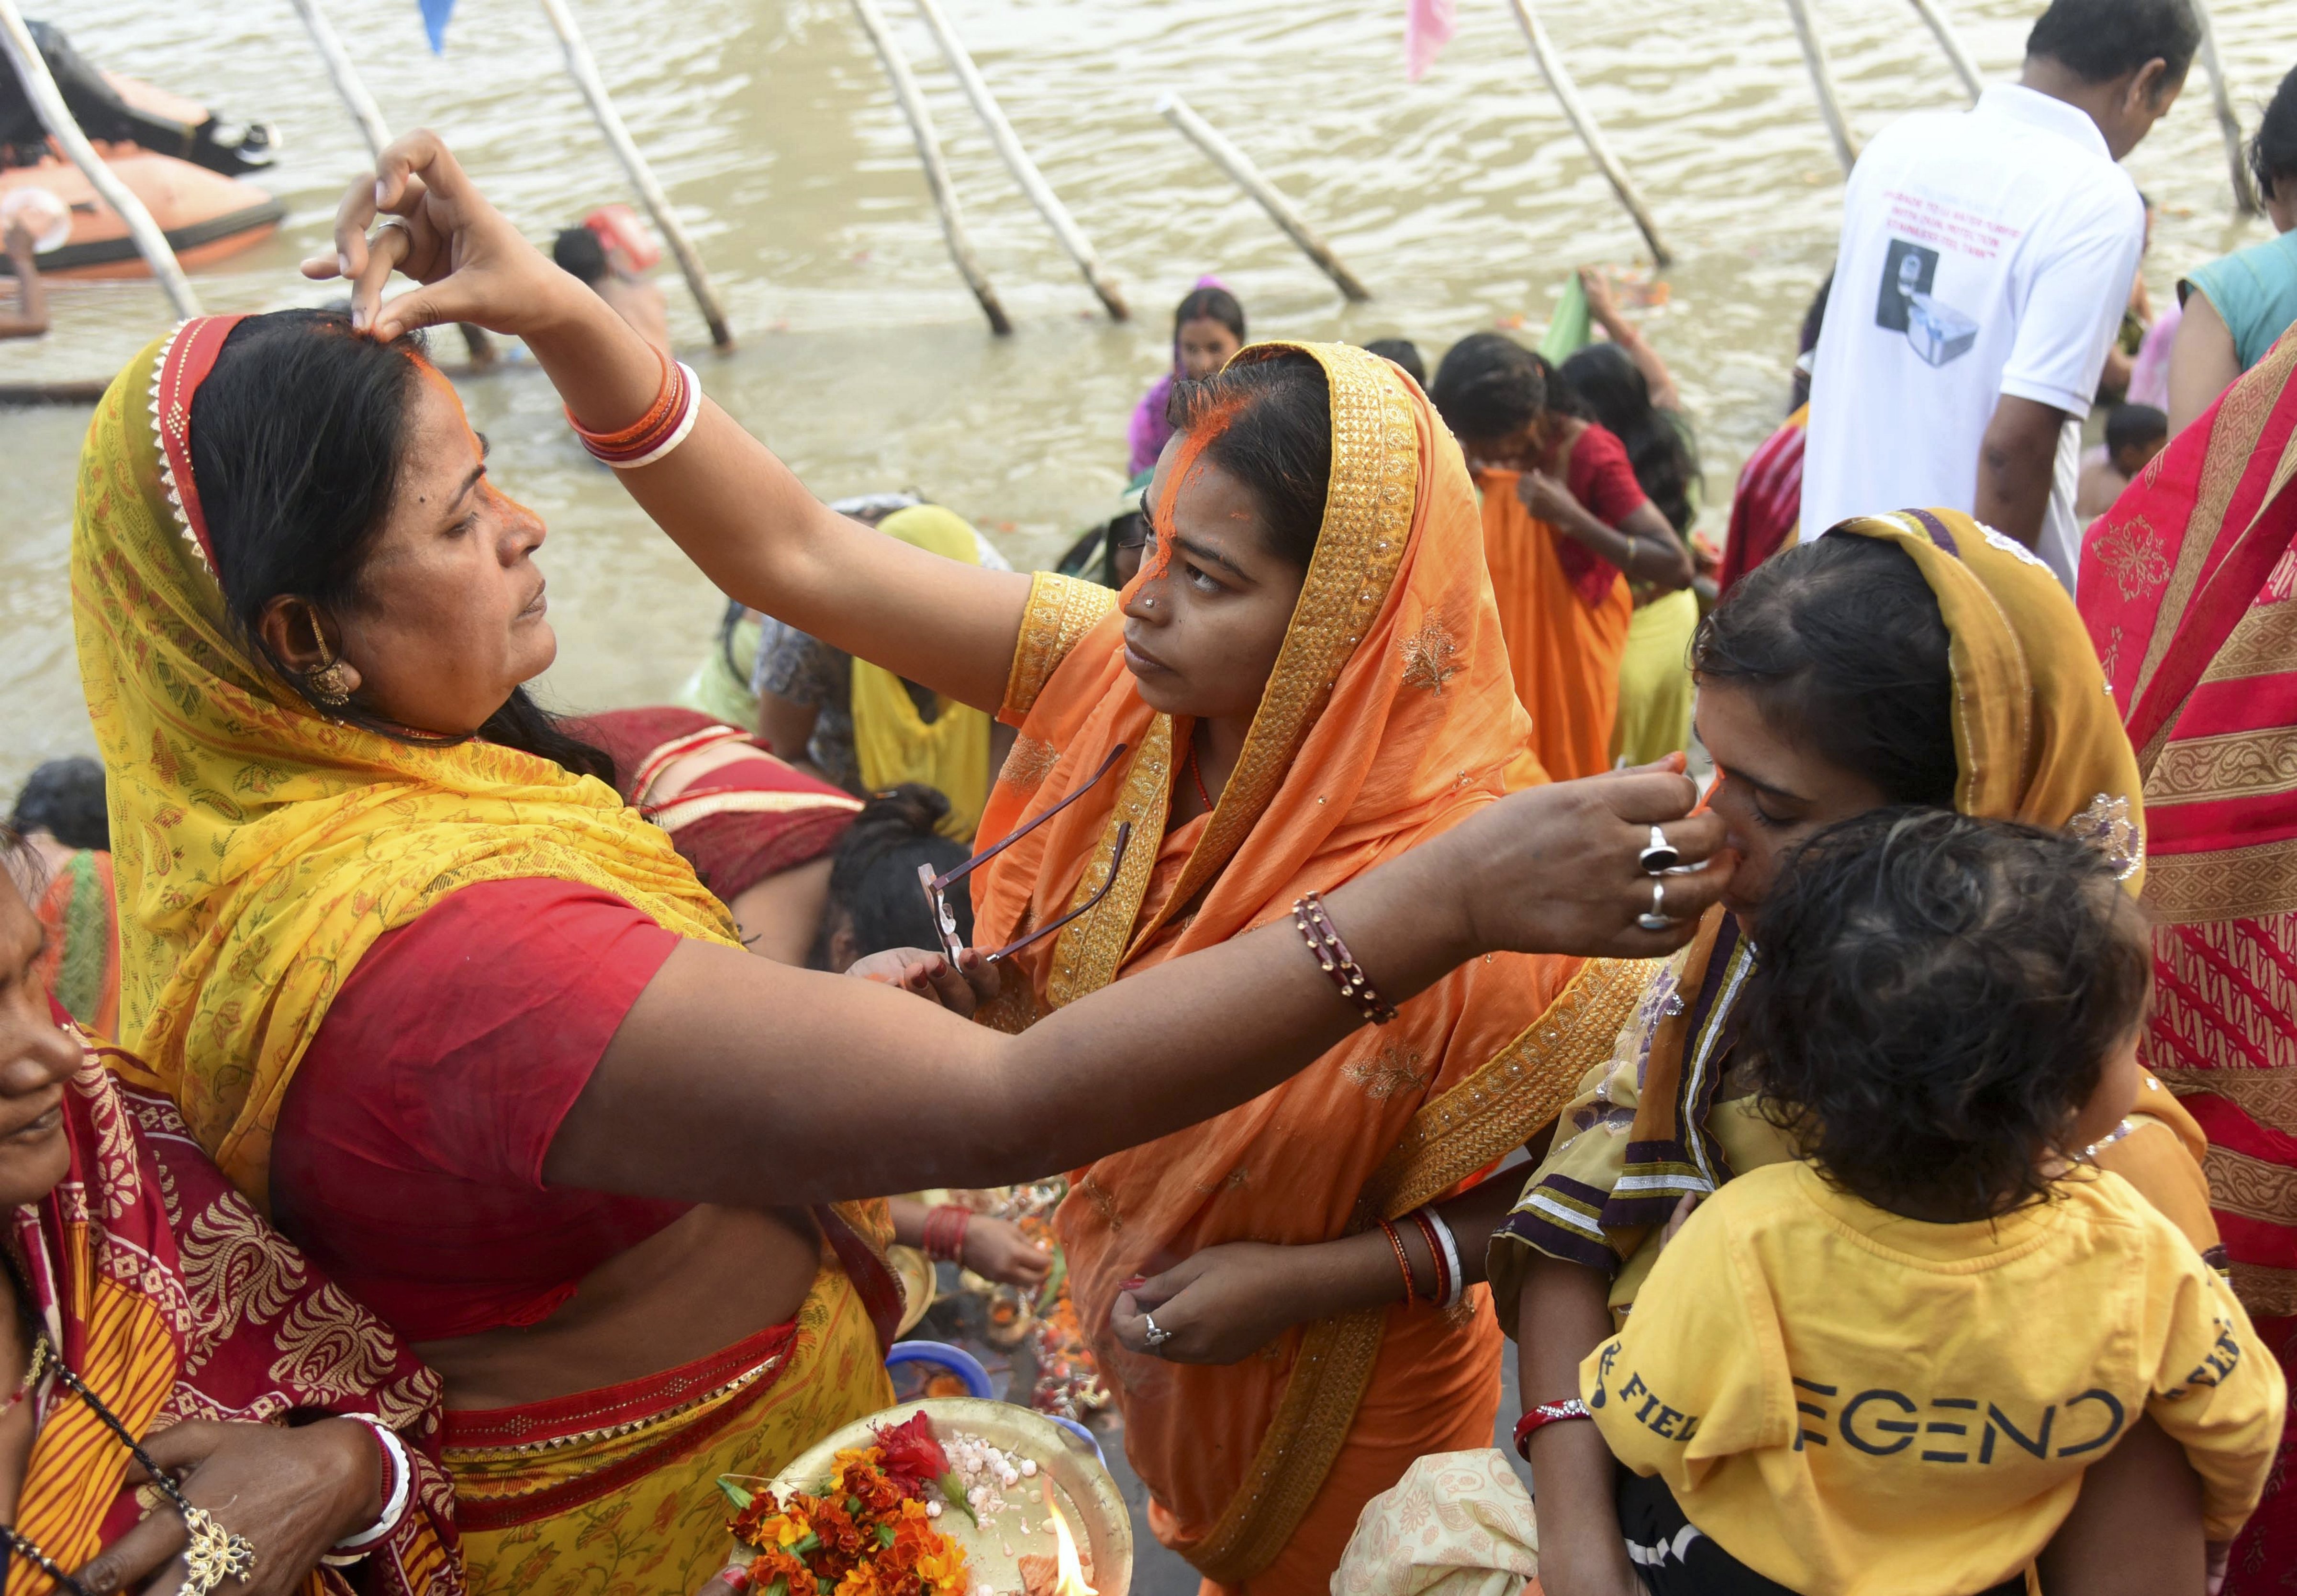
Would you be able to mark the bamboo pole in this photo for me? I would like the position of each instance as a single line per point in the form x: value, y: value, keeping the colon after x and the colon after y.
x: 2244, y: 182
x: 365, y: 111
x: 40, y: 88
x: 1574, y: 111
x: 1017, y: 159
x: 1247, y: 177
x: 1957, y: 55
x: 928, y: 142
x: 1822, y: 81
x: 584, y: 70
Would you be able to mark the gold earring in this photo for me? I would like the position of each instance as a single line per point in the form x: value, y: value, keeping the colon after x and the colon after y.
x: 328, y: 685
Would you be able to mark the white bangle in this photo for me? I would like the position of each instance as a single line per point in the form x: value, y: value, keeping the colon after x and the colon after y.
x: 1451, y: 1256
x: 357, y: 1546
x: 678, y: 436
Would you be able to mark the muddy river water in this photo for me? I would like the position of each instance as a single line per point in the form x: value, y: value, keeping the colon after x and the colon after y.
x: 1462, y: 201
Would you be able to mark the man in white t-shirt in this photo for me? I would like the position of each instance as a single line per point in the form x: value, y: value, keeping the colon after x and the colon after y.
x: 1986, y: 258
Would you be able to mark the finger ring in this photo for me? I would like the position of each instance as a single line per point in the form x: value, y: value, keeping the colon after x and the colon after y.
x: 214, y: 1554
x: 1661, y: 857
x: 1656, y: 919
x: 389, y: 224
x: 1158, y: 1334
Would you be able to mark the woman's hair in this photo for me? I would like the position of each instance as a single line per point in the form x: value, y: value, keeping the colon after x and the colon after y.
x: 2273, y: 152
x: 1404, y: 353
x: 296, y: 443
x: 1617, y: 397
x: 1488, y: 386
x: 1934, y: 1003
x: 873, y: 875
x: 1841, y: 640
x: 65, y: 798
x: 1273, y: 432
x: 1205, y: 303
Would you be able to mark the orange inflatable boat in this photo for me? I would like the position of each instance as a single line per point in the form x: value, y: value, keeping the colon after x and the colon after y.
x: 206, y: 215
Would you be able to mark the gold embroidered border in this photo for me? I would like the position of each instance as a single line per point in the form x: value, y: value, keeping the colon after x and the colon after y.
x: 2269, y: 1097
x: 2251, y: 1187
x: 2238, y: 764
x: 1367, y: 524
x: 1061, y: 610
x: 2241, y: 421
x: 2236, y: 883
x: 1088, y: 951
x: 2266, y: 1292
x: 1523, y: 1086
x: 2263, y: 642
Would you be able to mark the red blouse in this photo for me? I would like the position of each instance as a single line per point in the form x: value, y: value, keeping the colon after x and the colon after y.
x: 1602, y: 479
x: 409, y: 1158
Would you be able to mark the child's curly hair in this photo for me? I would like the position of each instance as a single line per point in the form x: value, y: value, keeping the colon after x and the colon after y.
x: 1935, y: 1000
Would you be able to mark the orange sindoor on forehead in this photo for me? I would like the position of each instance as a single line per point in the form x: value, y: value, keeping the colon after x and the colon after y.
x: 1198, y: 438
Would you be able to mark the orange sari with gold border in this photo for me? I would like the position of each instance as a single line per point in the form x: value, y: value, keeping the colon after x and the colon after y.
x: 1389, y: 717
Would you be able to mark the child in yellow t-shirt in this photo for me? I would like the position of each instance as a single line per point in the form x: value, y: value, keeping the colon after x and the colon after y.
x: 1885, y: 1369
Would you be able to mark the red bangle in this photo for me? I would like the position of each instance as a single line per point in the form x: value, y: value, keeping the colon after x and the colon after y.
x: 623, y: 436
x: 944, y: 1233
x: 1436, y: 1252
x: 1545, y: 1413
x: 1403, y: 1261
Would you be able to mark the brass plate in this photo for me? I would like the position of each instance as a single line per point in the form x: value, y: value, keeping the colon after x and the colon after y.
x: 1087, y: 1496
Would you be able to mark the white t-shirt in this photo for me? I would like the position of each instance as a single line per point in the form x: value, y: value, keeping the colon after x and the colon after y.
x: 1984, y: 252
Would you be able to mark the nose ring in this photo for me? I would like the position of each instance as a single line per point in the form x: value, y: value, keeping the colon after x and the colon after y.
x: 1147, y: 603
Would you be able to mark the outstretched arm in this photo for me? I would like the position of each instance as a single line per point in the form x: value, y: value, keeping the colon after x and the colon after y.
x: 31, y: 318
x: 1605, y: 308
x: 737, y: 512
x: 735, y: 1080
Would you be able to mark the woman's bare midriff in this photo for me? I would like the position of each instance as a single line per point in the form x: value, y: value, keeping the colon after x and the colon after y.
x: 709, y: 1280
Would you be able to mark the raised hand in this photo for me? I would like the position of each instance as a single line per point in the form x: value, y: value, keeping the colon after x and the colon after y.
x: 1557, y: 869
x: 439, y: 229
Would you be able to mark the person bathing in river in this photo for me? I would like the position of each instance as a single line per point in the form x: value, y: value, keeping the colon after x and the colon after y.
x: 470, y: 1025
x: 1207, y: 328
x: 1907, y: 659
x: 1565, y: 527
x: 582, y: 255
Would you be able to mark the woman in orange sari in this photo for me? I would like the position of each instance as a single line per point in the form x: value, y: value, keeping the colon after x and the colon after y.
x: 1566, y: 526
x: 1287, y: 753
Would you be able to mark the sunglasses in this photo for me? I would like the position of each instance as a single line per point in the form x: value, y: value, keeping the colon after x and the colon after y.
x: 936, y: 887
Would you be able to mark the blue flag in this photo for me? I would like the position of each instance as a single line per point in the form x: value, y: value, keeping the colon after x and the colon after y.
x: 435, y: 14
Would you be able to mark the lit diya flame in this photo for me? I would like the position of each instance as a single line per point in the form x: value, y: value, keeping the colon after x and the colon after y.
x: 1070, y: 1579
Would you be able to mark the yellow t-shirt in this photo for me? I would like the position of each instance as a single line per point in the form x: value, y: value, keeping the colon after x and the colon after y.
x: 1847, y: 1401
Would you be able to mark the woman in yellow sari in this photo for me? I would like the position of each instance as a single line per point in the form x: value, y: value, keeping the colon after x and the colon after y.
x: 472, y: 1030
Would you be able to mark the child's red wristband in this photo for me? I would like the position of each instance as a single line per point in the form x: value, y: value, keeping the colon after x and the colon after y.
x: 1546, y: 1412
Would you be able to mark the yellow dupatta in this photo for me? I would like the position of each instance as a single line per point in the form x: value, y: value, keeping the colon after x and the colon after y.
x: 260, y: 848
x: 892, y: 742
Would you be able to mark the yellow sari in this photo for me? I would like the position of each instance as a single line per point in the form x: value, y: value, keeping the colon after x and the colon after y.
x: 893, y: 743
x: 260, y: 849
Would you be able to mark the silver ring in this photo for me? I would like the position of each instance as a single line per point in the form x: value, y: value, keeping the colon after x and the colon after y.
x: 1656, y: 919
x: 1158, y: 1334
x: 390, y: 223
x: 1661, y: 857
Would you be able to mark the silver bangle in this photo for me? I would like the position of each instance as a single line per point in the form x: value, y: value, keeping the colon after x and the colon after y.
x: 1451, y: 1256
